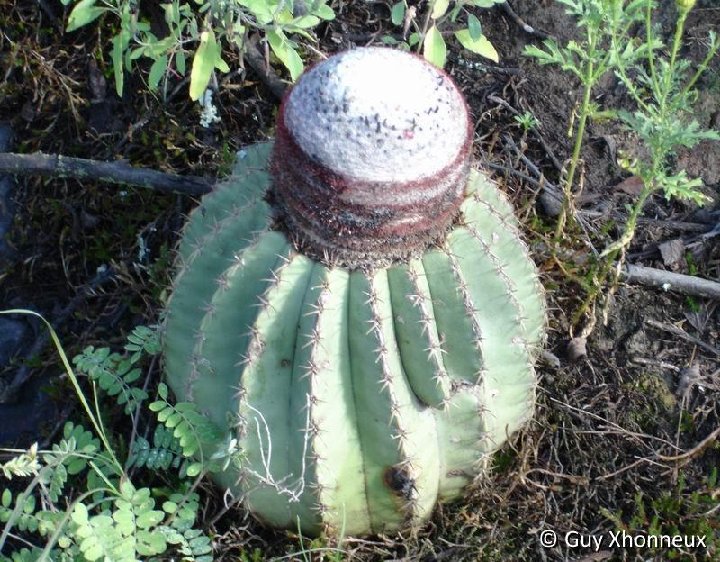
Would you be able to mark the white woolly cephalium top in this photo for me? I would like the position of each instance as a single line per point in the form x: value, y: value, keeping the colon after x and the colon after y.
x: 377, y: 114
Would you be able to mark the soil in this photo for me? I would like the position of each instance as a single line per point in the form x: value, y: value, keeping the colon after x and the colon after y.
x: 625, y: 436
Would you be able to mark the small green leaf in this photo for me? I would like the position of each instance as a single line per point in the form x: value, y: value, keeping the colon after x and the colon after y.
x: 397, y: 14
x: 207, y: 57
x: 306, y: 22
x: 434, y: 49
x: 260, y: 9
x: 149, y: 519
x: 180, y: 62
x: 156, y: 406
x: 173, y: 419
x: 84, y: 13
x: 164, y: 414
x: 323, y: 11
x: 439, y: 9
x: 285, y: 52
x: 80, y: 514
x: 157, y: 70
x: 480, y: 46
x: 152, y: 542
x: 127, y: 489
x: 194, y: 469
x: 485, y: 3
x: 117, y: 58
x: 474, y: 27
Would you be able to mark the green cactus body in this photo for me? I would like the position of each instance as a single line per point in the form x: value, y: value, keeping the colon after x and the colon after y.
x: 361, y: 389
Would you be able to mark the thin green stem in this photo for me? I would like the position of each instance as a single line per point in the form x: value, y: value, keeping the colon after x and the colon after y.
x: 73, y: 379
x: 702, y: 67
x: 607, y: 265
x: 631, y: 224
x: 669, y: 74
x: 649, y: 41
x: 575, y: 158
x: 62, y: 524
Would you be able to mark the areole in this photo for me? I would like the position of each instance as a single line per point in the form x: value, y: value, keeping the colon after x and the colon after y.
x: 355, y: 306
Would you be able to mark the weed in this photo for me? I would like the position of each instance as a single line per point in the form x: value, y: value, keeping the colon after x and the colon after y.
x: 601, y: 22
x: 674, y: 513
x: 426, y: 35
x: 208, y: 26
x: 82, y: 501
x: 661, y: 88
x: 527, y: 121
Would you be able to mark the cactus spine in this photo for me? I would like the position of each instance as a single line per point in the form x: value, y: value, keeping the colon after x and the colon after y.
x: 355, y: 305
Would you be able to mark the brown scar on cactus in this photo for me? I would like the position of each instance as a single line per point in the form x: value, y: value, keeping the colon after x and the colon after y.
x: 355, y: 306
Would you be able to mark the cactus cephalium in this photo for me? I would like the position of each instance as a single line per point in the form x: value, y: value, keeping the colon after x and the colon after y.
x: 355, y: 305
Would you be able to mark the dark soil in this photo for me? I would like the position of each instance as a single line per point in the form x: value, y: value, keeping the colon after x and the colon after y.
x: 623, y: 436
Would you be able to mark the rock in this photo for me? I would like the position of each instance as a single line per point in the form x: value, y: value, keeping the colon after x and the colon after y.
x: 576, y: 349
x: 672, y: 251
x: 638, y: 344
x: 14, y: 334
x: 31, y: 416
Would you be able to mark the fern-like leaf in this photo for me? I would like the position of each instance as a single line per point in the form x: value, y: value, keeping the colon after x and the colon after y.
x: 114, y: 373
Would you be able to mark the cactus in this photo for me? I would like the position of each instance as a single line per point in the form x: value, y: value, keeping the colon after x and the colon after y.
x: 355, y: 305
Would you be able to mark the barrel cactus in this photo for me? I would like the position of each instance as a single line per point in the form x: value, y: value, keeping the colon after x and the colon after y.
x: 355, y: 306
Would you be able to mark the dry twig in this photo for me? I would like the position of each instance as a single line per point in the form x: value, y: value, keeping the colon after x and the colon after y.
x: 695, y: 451
x: 684, y: 335
x: 505, y: 7
x: 669, y: 281
x: 257, y: 62
x: 56, y: 165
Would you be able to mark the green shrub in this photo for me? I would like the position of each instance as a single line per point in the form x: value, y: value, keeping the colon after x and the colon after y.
x: 199, y: 31
x: 81, y: 502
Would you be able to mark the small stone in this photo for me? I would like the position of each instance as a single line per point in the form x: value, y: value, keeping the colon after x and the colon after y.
x: 672, y: 251
x: 576, y: 349
x: 13, y: 334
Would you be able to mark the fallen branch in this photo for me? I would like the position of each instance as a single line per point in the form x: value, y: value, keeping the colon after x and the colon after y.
x: 257, y: 62
x: 677, y: 331
x: 55, y: 165
x: 669, y: 281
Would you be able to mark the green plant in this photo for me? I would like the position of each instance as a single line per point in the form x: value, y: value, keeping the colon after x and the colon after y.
x: 674, y: 513
x: 206, y: 27
x: 527, y: 121
x: 426, y: 36
x: 80, y: 500
x: 662, y: 91
x: 661, y: 88
x: 602, y: 22
x: 373, y: 366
